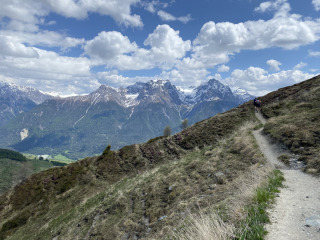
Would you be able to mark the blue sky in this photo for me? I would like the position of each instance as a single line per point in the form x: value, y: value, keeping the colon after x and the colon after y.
x: 73, y: 46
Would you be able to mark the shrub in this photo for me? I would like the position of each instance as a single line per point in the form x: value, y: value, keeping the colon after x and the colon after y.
x: 167, y: 131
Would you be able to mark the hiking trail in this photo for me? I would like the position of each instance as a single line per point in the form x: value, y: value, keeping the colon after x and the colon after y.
x: 296, y: 213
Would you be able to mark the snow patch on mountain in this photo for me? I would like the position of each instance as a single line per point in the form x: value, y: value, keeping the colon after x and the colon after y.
x: 241, y: 93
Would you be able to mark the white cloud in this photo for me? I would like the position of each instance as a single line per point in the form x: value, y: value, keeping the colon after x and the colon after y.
x: 300, y: 65
x: 223, y: 68
x: 316, y: 4
x: 186, y: 77
x: 115, y: 79
x: 10, y: 46
x: 287, y: 33
x: 166, y: 16
x: 216, y: 42
x: 113, y: 49
x: 153, y: 5
x: 31, y: 12
x: 109, y: 45
x: 67, y: 8
x: 48, y: 72
x: 166, y: 44
x: 118, y: 10
x: 169, y: 17
x: 258, y: 81
x: 274, y: 64
x: 43, y: 38
x: 281, y: 7
x: 314, y: 54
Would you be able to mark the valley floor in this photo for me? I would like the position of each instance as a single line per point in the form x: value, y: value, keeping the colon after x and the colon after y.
x: 296, y: 214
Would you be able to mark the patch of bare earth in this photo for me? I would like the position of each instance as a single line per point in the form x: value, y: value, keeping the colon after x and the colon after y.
x: 296, y: 215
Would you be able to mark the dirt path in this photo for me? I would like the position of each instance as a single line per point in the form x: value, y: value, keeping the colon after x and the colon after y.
x: 296, y: 214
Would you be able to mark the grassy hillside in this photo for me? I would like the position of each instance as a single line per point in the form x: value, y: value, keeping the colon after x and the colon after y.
x: 294, y: 120
x: 13, y: 171
x: 147, y: 191
x: 130, y: 192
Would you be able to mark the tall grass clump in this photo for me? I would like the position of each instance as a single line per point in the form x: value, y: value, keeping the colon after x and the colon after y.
x: 252, y: 227
x: 205, y: 226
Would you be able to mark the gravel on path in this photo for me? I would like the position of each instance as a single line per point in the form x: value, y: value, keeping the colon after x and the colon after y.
x: 296, y: 214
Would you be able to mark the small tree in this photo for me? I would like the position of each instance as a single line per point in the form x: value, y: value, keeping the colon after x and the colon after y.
x: 184, y: 124
x: 167, y: 131
x: 107, y: 150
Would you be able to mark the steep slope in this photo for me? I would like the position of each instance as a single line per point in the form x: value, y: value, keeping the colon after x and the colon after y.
x: 12, y: 171
x: 145, y: 191
x: 84, y: 125
x: 294, y: 120
x: 16, y: 99
x: 138, y: 192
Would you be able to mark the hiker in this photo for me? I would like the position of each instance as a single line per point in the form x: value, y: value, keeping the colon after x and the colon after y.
x: 257, y: 104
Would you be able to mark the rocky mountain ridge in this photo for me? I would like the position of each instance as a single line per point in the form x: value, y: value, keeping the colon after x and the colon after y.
x: 83, y: 125
x: 15, y: 99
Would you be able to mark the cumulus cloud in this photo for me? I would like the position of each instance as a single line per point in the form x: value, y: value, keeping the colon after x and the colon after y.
x: 186, y: 76
x: 48, y: 72
x: 32, y: 11
x: 287, y: 33
x: 10, y: 46
x: 223, y: 68
x: 165, y: 48
x: 316, y: 4
x: 274, y: 64
x: 166, y: 44
x: 109, y: 45
x: 258, y: 81
x: 169, y: 17
x: 118, y: 10
x: 216, y: 42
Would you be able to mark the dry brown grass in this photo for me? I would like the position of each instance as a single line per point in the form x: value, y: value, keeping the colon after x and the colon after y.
x: 203, y: 226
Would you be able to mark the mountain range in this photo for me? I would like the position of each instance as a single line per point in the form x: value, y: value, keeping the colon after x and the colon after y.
x: 79, y: 126
x: 155, y: 190
x: 15, y: 99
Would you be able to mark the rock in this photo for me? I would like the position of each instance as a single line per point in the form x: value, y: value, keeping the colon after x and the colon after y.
x: 208, y: 153
x: 313, y: 221
x: 221, y: 177
x: 161, y: 218
x: 312, y: 170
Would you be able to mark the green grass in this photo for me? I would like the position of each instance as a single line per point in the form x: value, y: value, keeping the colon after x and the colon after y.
x: 252, y: 226
x: 11, y: 172
x: 257, y: 127
x: 62, y: 158
x: 293, y: 119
